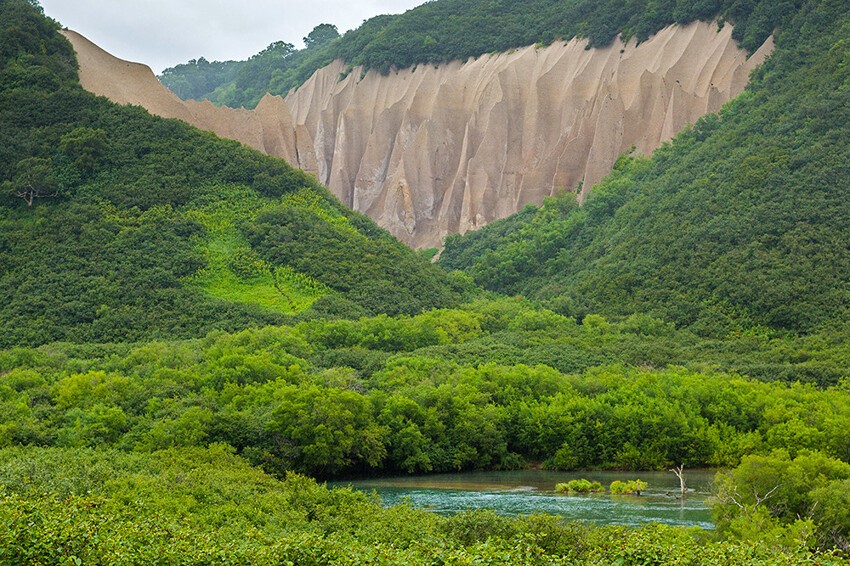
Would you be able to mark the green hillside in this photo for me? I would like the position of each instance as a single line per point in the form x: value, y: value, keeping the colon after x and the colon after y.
x: 118, y: 226
x: 447, y: 30
x: 737, y: 226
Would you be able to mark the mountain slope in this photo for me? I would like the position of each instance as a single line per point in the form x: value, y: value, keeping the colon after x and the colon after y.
x: 436, y: 150
x: 116, y: 225
x: 739, y: 225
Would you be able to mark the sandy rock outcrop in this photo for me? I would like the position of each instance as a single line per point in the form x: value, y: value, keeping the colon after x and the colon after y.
x: 435, y: 150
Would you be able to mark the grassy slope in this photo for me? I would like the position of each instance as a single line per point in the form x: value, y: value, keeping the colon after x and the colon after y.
x: 234, y: 272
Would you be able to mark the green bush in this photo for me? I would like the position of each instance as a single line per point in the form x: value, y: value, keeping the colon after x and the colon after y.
x: 635, y: 487
x: 579, y: 486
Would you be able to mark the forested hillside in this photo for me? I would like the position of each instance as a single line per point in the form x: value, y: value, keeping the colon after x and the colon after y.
x: 739, y: 225
x: 446, y: 30
x: 116, y: 225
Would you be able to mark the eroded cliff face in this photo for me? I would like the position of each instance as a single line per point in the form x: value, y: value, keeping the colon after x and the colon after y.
x: 435, y: 150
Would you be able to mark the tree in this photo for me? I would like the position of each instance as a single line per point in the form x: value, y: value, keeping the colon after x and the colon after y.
x: 34, y: 179
x: 321, y: 34
x: 680, y: 473
x: 774, y: 496
x: 324, y: 431
x: 85, y: 146
x: 279, y: 49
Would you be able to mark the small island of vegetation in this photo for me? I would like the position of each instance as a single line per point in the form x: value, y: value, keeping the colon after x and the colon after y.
x: 630, y: 487
x: 579, y: 486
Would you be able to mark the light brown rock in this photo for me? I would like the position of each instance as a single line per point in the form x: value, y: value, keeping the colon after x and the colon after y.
x: 435, y: 150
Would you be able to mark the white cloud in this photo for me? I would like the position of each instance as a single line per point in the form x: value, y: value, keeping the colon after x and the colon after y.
x: 163, y: 33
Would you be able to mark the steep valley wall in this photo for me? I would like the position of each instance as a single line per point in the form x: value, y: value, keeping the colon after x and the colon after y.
x: 432, y: 150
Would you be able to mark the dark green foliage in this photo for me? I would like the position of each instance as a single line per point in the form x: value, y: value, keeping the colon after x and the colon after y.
x: 446, y: 30
x: 738, y: 226
x: 76, y: 273
x: 100, y: 237
x: 198, y: 77
x: 276, y: 70
x: 321, y: 34
x: 30, y: 48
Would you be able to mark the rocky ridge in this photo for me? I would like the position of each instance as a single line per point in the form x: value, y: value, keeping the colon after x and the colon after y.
x: 430, y: 150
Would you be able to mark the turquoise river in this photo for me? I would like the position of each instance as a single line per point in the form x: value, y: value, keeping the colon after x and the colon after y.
x: 533, y: 491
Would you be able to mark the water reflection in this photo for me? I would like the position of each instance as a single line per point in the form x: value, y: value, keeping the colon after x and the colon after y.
x: 526, y: 492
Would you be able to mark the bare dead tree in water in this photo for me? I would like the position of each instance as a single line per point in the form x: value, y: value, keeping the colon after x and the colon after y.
x: 680, y: 473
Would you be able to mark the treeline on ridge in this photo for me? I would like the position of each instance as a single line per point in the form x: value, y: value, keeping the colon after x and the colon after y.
x: 447, y: 30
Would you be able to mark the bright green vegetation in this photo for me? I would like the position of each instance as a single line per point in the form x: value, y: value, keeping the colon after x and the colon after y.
x: 119, y: 226
x: 188, y: 325
x: 579, y: 486
x: 447, y: 30
x: 783, y: 497
x: 381, y: 394
x: 738, y: 226
x: 629, y: 487
x: 202, y: 506
x: 236, y: 273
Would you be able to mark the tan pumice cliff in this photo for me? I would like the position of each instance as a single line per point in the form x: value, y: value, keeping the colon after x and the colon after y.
x: 435, y: 150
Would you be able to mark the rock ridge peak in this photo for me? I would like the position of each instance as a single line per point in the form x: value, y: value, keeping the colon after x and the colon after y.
x: 434, y: 150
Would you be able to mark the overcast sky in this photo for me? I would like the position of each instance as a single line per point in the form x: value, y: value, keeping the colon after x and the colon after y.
x: 163, y: 33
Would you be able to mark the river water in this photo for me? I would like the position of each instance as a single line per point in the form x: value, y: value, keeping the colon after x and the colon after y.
x: 532, y: 491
